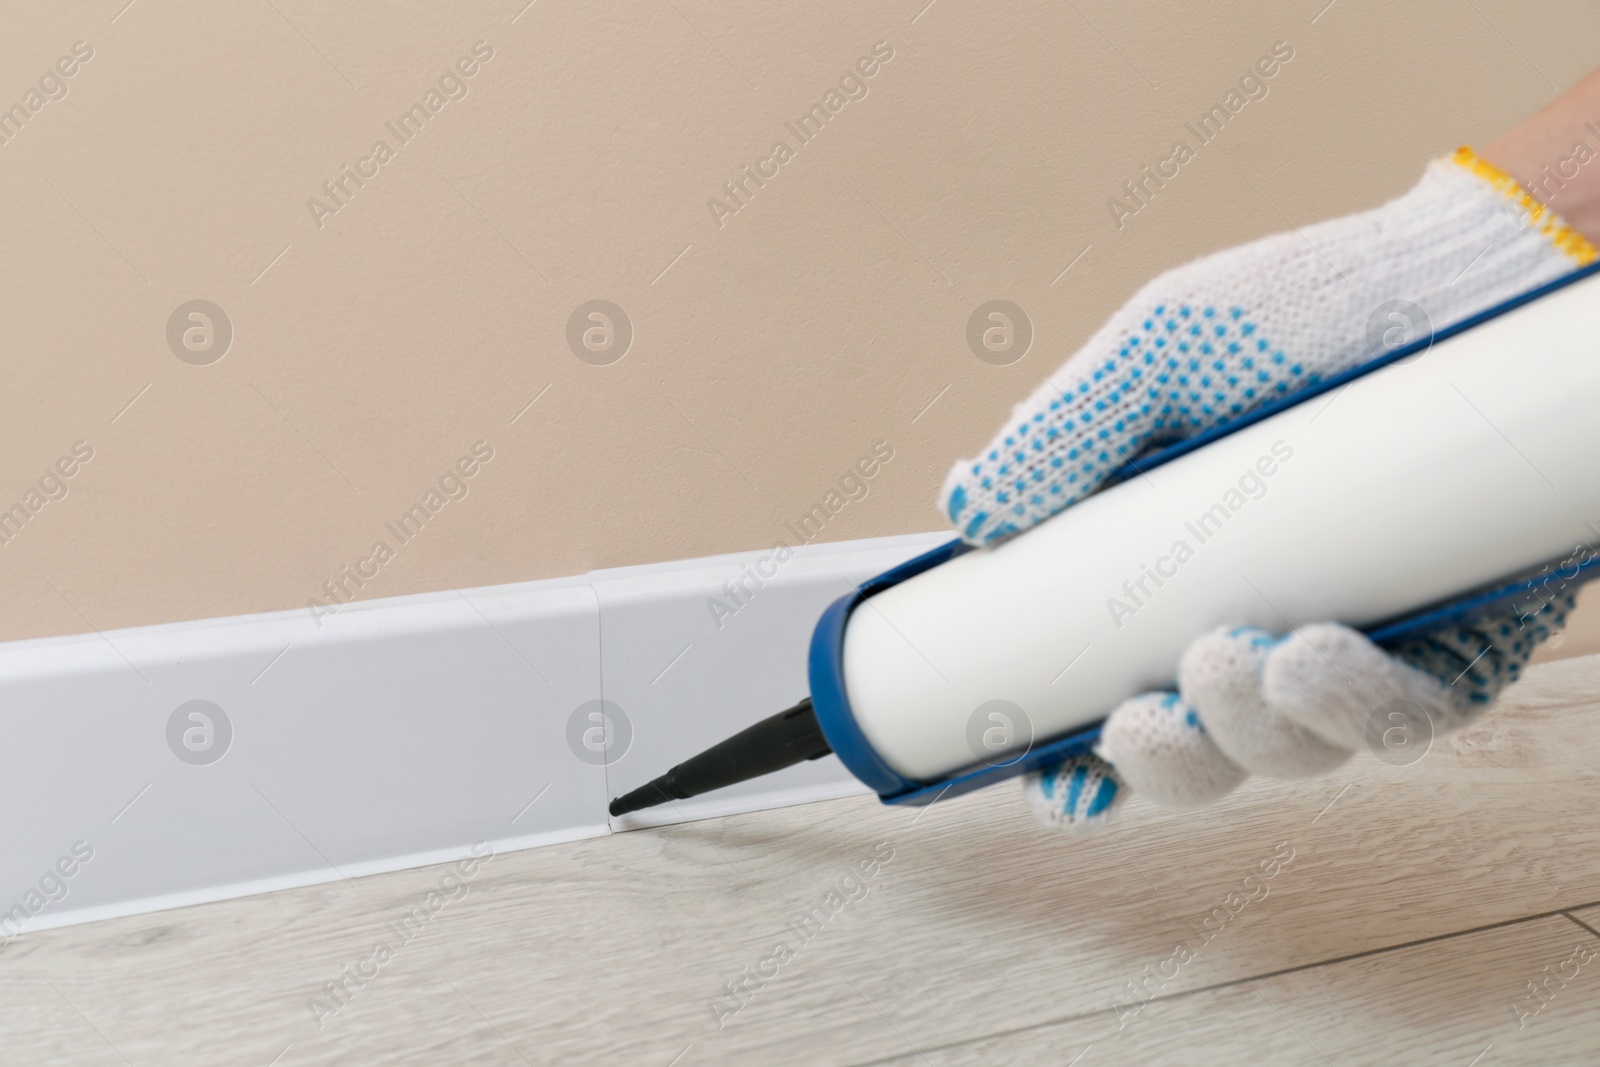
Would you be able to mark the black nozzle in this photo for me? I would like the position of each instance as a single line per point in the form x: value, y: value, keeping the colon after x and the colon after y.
x: 772, y: 744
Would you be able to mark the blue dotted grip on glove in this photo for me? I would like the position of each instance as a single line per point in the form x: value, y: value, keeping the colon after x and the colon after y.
x: 1202, y: 368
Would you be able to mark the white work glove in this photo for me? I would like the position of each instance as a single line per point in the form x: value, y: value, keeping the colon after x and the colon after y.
x: 1202, y: 345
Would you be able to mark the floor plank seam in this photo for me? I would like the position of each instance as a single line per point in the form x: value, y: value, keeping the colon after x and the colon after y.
x: 1250, y: 979
x: 1568, y: 913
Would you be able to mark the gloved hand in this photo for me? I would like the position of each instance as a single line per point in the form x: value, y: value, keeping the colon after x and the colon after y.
x: 1202, y: 345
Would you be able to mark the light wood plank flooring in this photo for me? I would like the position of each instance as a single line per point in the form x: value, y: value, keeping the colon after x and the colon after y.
x: 1406, y: 912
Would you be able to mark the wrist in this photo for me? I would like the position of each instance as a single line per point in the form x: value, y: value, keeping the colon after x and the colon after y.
x: 1554, y: 156
x: 1540, y: 220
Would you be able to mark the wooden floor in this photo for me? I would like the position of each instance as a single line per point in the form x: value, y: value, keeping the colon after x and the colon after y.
x: 1383, y: 915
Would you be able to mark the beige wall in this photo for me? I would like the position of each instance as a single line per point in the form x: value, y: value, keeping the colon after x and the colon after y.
x: 374, y: 346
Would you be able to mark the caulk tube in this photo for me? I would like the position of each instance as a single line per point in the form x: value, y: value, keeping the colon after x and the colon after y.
x: 1412, y: 481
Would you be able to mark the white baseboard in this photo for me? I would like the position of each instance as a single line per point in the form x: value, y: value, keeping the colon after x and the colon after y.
x: 395, y: 733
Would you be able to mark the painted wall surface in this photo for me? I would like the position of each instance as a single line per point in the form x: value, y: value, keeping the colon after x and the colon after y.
x: 278, y: 273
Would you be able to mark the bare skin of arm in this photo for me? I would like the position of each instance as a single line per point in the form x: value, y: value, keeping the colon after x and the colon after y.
x: 1540, y: 153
